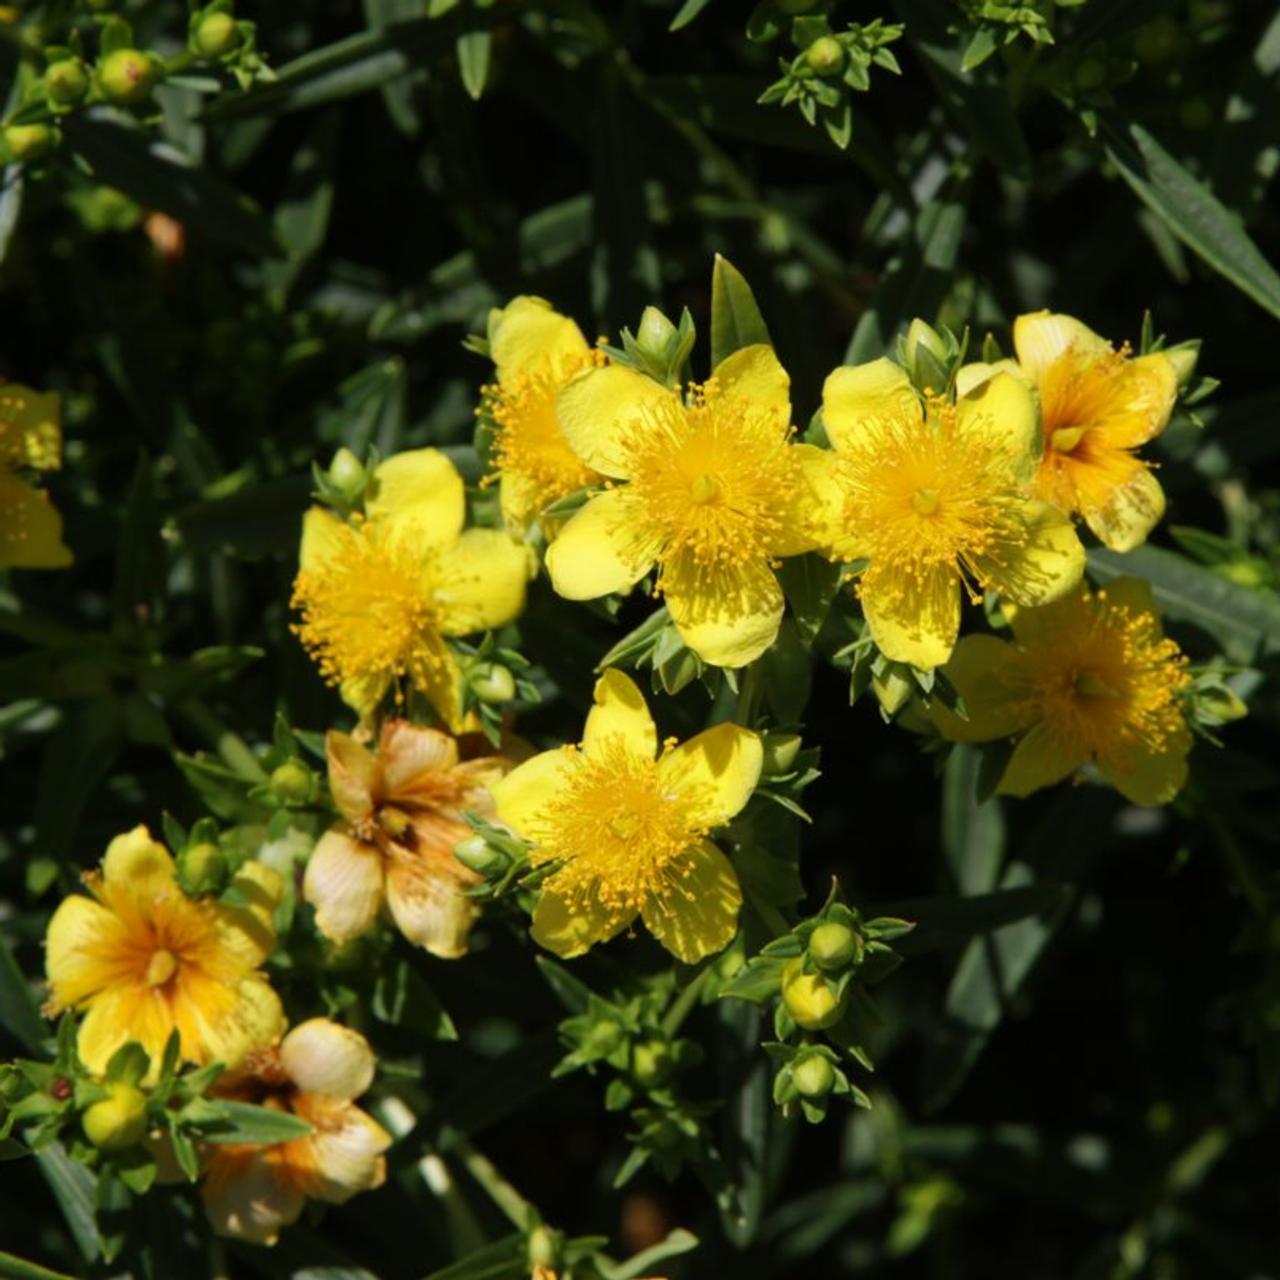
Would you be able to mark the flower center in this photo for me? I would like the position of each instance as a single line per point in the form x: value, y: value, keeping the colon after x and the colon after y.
x: 925, y: 501
x: 617, y: 828
x: 1088, y: 684
x: 1065, y: 439
x: 161, y: 967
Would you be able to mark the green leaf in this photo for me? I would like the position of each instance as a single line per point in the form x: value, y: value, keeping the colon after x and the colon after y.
x: 12, y: 1268
x: 746, y: 1120
x: 19, y: 1009
x: 503, y: 1260
x: 1244, y: 620
x: 810, y: 583
x: 757, y: 980
x: 244, y: 1122
x: 678, y: 1242
x: 686, y: 13
x: 736, y: 321
x: 1244, y: 154
x: 474, y: 50
x: 972, y: 833
x: 402, y: 998
x: 11, y: 188
x: 74, y: 1188
x: 1191, y: 211
x: 571, y: 993
x: 301, y: 219
x: 951, y: 922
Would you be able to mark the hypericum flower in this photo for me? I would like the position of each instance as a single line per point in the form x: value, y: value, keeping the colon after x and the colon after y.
x: 380, y: 593
x: 402, y: 815
x: 715, y: 492
x: 1098, y: 405
x: 938, y: 496
x: 627, y: 829
x: 30, y: 436
x: 252, y: 1190
x: 1088, y: 678
x: 537, y: 352
x: 143, y: 959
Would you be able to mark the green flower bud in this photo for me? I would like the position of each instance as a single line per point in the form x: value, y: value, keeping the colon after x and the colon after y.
x: 201, y: 866
x: 293, y: 782
x: 347, y: 475
x: 1222, y: 704
x: 216, y: 34
x: 652, y: 1063
x: 826, y: 56
x: 834, y: 946
x: 1184, y: 358
x: 66, y: 82
x: 545, y: 1246
x: 478, y: 855
x: 814, y: 1076
x: 30, y: 141
x: 780, y: 751
x: 127, y: 76
x: 492, y: 683
x: 808, y: 998
x: 118, y: 1121
x: 656, y: 331
x: 892, y: 690
x: 927, y: 356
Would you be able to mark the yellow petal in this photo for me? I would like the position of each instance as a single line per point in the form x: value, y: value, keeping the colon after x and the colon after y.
x: 1039, y: 760
x: 816, y: 518
x: 518, y: 500
x: 410, y: 756
x: 320, y: 1056
x: 620, y: 711
x: 523, y: 795
x: 971, y: 376
x: 480, y: 582
x: 1041, y: 625
x: 601, y: 406
x: 353, y: 774
x: 1041, y: 337
x: 1131, y: 511
x: 30, y: 427
x: 343, y: 881
x: 30, y: 528
x: 727, y: 616
x: 569, y: 931
x: 979, y: 670
x: 420, y: 497
x: 363, y: 693
x: 438, y: 678
x: 1002, y: 412
x: 596, y: 553
x: 528, y: 332
x: 913, y: 619
x: 862, y: 393
x: 1147, y: 776
x: 247, y: 929
x: 323, y: 536
x: 136, y: 861
x: 1142, y: 403
x: 256, y: 1019
x: 1131, y: 593
x: 698, y: 914
x: 756, y: 374
x: 344, y: 1155
x: 1041, y: 563
x: 247, y: 1196
x: 715, y: 772
x: 112, y: 1020
x: 426, y: 899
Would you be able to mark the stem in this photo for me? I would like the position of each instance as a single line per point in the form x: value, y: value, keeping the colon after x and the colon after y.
x: 236, y: 754
x: 519, y: 1211
x: 684, y: 1003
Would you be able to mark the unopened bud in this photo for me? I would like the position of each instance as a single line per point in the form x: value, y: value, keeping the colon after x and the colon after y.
x: 808, y: 998
x: 826, y: 56
x: 347, y: 473
x: 834, y: 946
x: 813, y: 1076
x: 119, y: 1120
x: 1184, y: 358
x: 66, y: 82
x: 478, y: 855
x: 1222, y: 703
x: 127, y: 76
x: 780, y: 751
x: 292, y: 782
x: 656, y: 331
x: 893, y: 688
x: 201, y: 866
x: 545, y: 1246
x: 216, y: 34
x: 927, y: 356
x: 492, y: 683
x: 652, y: 1063
x: 27, y: 142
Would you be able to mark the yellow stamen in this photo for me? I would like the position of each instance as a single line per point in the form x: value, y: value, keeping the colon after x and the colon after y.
x: 1064, y: 439
x: 925, y: 501
x: 161, y: 967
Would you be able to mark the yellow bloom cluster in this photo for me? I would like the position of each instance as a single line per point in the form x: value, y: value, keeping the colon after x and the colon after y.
x: 31, y: 438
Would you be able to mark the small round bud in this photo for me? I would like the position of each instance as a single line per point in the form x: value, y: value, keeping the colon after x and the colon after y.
x: 603, y: 1038
x: 118, y: 1121
x: 29, y: 141
x: 545, y: 1246
x: 834, y: 946
x: 201, y: 866
x: 292, y: 782
x: 216, y: 34
x: 346, y: 473
x: 826, y: 56
x: 780, y: 751
x: 478, y: 855
x: 652, y: 1063
x: 127, y: 76
x: 808, y: 998
x: 813, y: 1076
x: 492, y: 683
x: 1184, y: 358
x: 66, y: 82
x: 656, y: 331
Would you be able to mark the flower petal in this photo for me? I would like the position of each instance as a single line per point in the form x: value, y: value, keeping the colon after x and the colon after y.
x: 480, y: 582
x: 596, y: 553
x: 1002, y: 412
x: 1039, y: 760
x: 1041, y: 337
x: 1145, y: 393
x: 913, y: 619
x: 1041, y: 564
x: 139, y: 863
x: 1130, y: 512
x: 353, y: 774
x: 420, y: 496
x: 343, y: 882
x: 411, y: 755
x: 756, y: 374
x: 860, y: 393
x: 1149, y: 775
x: 247, y: 929
x: 620, y: 711
x: 716, y: 771
x: 425, y: 891
x: 979, y: 669
x: 82, y: 936
x: 248, y: 1196
x: 522, y: 796
x: 698, y: 914
x: 601, y: 405
x: 343, y: 1156
x: 320, y: 1056
x: 30, y: 528
x: 568, y: 931
x: 1134, y: 594
x: 528, y: 332
x: 728, y: 616
x: 323, y: 536
x: 255, y: 1019
x: 438, y: 678
x: 118, y: 1015
x: 816, y: 518
x: 971, y: 376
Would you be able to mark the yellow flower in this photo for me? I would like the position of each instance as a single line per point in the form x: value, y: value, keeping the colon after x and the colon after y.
x: 143, y: 959
x: 627, y: 829
x: 379, y: 594
x: 30, y: 436
x: 938, y: 497
x: 537, y: 352
x: 252, y: 1190
x: 402, y: 815
x: 1098, y: 406
x: 714, y: 494
x: 1088, y: 678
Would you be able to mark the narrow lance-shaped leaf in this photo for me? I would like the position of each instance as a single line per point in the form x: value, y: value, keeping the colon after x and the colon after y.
x: 736, y: 321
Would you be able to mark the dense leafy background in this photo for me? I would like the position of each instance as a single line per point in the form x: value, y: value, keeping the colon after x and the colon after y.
x: 1084, y: 1093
